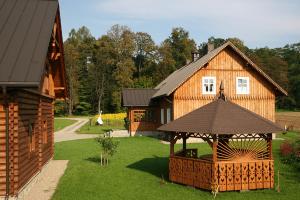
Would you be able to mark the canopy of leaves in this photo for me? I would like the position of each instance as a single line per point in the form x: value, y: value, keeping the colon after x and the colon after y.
x: 97, y: 69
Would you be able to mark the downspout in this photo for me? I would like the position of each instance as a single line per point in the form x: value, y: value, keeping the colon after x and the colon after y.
x: 4, y: 91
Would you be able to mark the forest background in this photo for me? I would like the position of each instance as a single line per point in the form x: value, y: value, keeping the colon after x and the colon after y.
x: 98, y: 68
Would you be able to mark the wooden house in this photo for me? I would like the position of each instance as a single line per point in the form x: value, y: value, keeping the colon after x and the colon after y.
x: 195, y: 85
x: 32, y: 75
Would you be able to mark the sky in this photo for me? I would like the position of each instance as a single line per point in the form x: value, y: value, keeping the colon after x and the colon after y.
x: 259, y: 23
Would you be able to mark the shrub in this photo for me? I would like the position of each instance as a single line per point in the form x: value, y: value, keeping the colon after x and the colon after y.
x: 59, y: 108
x: 290, y: 152
x: 109, y: 148
x: 286, y: 149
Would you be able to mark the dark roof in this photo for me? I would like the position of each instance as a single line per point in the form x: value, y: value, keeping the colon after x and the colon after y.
x: 221, y: 117
x: 25, y: 32
x: 178, y: 77
x: 137, y: 97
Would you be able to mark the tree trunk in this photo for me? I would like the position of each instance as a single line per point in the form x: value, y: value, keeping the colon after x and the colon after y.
x: 70, y: 106
x: 101, y: 91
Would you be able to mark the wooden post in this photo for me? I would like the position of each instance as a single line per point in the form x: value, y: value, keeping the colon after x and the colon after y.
x: 129, y: 121
x: 172, y: 143
x: 184, y: 142
x: 269, y: 140
x: 214, y: 148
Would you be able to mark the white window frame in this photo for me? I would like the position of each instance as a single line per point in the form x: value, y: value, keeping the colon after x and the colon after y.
x: 168, y: 115
x: 162, y: 116
x: 238, y: 90
x: 214, y: 84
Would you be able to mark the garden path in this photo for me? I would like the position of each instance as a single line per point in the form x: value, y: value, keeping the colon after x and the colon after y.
x: 69, y: 132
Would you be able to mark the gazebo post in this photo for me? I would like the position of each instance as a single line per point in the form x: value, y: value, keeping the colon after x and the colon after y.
x: 214, y: 148
x: 184, y: 142
x: 269, y: 140
x: 172, y: 143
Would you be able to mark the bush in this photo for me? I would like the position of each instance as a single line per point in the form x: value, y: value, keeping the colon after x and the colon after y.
x: 286, y: 149
x: 290, y: 152
x: 59, y: 108
x: 109, y: 148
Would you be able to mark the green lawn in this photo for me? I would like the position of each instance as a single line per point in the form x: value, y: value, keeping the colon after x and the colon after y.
x: 62, y: 123
x: 107, y: 126
x: 136, y: 171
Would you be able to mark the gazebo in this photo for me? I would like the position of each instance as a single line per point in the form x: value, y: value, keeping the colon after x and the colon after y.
x: 241, y: 143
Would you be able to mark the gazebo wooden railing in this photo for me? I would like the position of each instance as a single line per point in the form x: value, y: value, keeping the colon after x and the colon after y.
x: 241, y: 143
x: 226, y: 175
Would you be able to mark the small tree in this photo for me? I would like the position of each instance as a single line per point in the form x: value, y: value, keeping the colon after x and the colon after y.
x: 109, y: 148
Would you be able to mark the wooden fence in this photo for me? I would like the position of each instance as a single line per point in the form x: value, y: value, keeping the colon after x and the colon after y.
x: 224, y: 175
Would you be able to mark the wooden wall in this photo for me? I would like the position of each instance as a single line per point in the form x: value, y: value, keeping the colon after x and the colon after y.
x: 25, y: 108
x: 2, y: 148
x: 226, y: 66
x: 143, y: 126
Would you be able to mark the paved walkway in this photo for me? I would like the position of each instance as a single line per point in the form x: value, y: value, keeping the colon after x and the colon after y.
x: 43, y: 185
x: 69, y: 132
x: 119, y: 133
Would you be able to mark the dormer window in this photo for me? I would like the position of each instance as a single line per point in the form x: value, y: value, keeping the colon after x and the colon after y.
x: 209, y: 85
x: 242, y: 85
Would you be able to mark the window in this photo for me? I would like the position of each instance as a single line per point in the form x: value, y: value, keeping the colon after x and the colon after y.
x: 242, y: 85
x: 31, y: 137
x: 209, y: 85
x: 45, y: 132
x: 162, y: 116
x: 143, y: 116
x: 168, y: 115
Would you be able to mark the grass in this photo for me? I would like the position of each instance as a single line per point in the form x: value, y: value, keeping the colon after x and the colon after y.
x: 107, y: 126
x: 62, y: 123
x: 136, y: 172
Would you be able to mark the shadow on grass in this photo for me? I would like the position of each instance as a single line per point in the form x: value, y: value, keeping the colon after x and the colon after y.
x: 95, y: 159
x: 157, y: 166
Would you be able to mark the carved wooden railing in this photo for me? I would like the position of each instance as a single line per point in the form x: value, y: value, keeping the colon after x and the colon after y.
x: 227, y: 175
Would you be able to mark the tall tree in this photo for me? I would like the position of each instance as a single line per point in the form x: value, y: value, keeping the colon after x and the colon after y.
x: 145, y: 51
x: 181, y: 46
x: 166, y: 63
x: 123, y: 44
x: 80, y: 43
x: 71, y: 61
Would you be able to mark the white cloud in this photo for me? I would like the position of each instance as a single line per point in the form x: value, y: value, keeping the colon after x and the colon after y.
x: 256, y: 18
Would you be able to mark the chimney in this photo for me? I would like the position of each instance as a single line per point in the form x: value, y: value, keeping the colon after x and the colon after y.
x: 210, y: 46
x: 195, y: 56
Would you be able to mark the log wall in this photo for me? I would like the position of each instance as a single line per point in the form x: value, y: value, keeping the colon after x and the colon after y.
x: 226, y: 66
x: 25, y: 108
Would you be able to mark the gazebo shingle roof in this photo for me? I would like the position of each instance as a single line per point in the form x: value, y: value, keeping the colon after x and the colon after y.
x: 221, y: 117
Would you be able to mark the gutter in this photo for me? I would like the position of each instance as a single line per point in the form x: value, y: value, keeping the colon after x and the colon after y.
x: 4, y: 91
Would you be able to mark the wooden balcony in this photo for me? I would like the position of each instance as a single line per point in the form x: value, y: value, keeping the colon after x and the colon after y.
x: 201, y: 172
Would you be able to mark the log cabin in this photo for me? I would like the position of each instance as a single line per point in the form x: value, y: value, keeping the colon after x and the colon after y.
x: 32, y: 76
x: 195, y: 85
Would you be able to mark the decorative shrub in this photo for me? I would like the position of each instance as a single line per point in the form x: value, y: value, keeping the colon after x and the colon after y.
x: 109, y: 148
x: 286, y: 149
x: 290, y: 152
